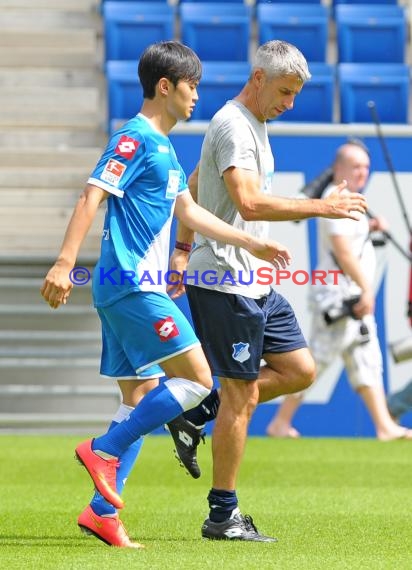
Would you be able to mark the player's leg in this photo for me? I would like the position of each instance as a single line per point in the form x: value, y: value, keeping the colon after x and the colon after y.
x: 234, y: 351
x: 288, y: 371
x: 326, y: 344
x: 100, y: 518
x: 290, y: 367
x: 132, y: 392
x: 168, y: 340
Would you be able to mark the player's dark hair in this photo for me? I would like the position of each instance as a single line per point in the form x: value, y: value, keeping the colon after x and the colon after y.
x: 169, y: 59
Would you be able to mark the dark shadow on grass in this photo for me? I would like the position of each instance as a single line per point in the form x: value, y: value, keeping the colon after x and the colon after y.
x: 47, y: 541
x: 53, y: 541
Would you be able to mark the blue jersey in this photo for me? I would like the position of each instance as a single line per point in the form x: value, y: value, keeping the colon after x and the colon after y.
x: 140, y: 170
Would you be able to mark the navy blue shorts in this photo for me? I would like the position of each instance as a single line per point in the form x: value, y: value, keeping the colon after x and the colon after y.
x: 236, y: 331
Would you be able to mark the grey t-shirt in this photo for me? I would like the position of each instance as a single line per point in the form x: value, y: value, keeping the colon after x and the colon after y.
x: 234, y: 138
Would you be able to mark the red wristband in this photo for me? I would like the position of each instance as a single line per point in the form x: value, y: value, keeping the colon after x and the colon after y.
x: 183, y: 246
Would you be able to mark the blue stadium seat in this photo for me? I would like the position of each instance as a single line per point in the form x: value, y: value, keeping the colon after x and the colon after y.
x: 388, y: 85
x: 134, y: 1
x: 203, y: 1
x: 304, y: 25
x: 129, y: 27
x: 315, y: 102
x: 370, y: 33
x: 125, y: 95
x: 216, y: 32
x: 288, y: 2
x: 336, y: 2
x: 220, y: 82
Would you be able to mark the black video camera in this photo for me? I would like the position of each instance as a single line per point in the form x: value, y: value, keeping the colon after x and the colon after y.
x: 334, y: 314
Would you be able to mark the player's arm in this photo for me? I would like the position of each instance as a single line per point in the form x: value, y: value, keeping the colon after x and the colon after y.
x: 183, y: 233
x: 201, y: 220
x: 57, y: 285
x: 244, y: 188
x: 184, y: 240
x: 351, y: 266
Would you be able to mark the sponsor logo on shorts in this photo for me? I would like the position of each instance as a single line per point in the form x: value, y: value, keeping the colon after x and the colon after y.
x: 166, y: 329
x: 240, y: 351
x: 127, y: 147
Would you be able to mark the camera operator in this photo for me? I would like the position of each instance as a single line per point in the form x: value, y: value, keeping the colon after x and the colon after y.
x: 343, y: 322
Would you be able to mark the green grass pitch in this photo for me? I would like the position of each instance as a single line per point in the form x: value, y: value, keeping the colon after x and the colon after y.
x: 333, y: 504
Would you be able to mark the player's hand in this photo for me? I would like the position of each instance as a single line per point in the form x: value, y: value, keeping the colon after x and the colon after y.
x: 345, y: 204
x: 57, y: 286
x: 178, y: 264
x: 272, y: 251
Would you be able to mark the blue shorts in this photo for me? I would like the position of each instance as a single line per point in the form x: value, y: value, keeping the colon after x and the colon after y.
x: 236, y: 331
x: 140, y: 331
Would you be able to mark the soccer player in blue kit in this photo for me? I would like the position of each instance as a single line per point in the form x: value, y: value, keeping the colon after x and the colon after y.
x: 143, y: 185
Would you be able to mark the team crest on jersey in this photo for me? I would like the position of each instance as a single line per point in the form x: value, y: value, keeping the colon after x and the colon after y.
x: 166, y: 329
x: 127, y: 147
x: 173, y: 184
x: 113, y: 171
x: 240, y: 351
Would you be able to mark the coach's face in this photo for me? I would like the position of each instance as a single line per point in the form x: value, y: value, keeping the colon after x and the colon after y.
x: 275, y: 95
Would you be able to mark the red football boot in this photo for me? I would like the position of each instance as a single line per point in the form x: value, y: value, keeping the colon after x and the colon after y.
x: 109, y: 530
x: 102, y: 471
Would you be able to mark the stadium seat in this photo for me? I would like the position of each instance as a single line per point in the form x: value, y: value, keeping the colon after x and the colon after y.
x: 315, y: 102
x: 134, y: 1
x: 370, y: 33
x: 124, y: 91
x: 388, y: 85
x: 288, y: 2
x: 129, y: 27
x: 304, y: 25
x: 210, y: 1
x: 220, y: 82
x: 216, y: 32
x: 336, y: 2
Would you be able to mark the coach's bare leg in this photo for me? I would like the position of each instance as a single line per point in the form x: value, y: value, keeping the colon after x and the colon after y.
x: 238, y: 399
x: 286, y: 373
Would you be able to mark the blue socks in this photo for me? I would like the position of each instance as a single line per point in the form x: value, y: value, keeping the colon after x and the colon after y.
x: 158, y: 407
x: 221, y: 504
x: 99, y: 505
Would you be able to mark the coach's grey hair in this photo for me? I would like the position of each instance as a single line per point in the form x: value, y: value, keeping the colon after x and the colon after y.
x: 278, y: 58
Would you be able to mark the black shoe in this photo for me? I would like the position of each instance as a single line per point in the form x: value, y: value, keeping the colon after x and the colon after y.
x: 238, y: 527
x: 186, y: 437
